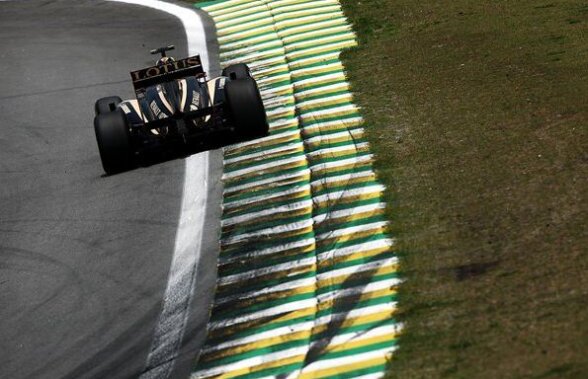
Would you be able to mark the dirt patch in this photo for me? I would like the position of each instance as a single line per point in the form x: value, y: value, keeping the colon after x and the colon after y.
x: 473, y: 270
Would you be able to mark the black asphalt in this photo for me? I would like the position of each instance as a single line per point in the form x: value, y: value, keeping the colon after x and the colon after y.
x: 84, y: 258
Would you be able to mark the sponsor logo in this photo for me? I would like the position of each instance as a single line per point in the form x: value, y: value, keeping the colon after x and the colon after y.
x: 156, y: 111
x: 150, y: 72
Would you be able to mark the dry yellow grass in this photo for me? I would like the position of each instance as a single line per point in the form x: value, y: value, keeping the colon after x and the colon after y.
x: 478, y: 114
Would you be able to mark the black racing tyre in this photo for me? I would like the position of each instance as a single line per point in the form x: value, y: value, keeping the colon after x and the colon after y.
x: 106, y: 104
x: 114, y: 142
x: 237, y: 71
x: 246, y: 108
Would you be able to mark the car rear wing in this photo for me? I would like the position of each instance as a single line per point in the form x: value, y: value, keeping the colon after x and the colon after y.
x: 191, y: 66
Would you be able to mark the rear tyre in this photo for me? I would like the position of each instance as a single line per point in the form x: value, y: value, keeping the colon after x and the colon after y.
x: 246, y: 108
x: 107, y: 104
x: 114, y: 142
x: 237, y: 71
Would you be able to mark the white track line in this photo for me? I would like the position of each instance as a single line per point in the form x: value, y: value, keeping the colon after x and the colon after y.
x: 169, y: 331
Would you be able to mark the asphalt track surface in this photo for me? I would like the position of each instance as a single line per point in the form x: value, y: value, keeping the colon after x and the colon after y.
x: 84, y: 258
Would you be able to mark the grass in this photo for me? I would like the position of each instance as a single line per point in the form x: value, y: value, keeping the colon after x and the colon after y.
x: 478, y: 114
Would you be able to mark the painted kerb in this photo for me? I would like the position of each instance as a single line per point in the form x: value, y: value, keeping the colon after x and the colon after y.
x: 307, y: 272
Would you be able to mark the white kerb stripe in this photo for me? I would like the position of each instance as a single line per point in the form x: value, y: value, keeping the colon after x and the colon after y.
x: 169, y: 331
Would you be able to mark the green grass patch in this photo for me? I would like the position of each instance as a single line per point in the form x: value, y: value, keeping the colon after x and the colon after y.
x: 478, y: 114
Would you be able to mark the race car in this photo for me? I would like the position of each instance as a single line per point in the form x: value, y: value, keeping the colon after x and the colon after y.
x: 178, y: 111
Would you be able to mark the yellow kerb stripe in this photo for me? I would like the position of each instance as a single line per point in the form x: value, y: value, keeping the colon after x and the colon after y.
x: 316, y: 171
x: 350, y: 149
x: 327, y: 140
x: 238, y: 13
x: 237, y: 285
x: 319, y: 186
x: 341, y: 369
x: 276, y: 236
x: 227, y: 7
x: 311, y: 27
x: 388, y: 337
x: 326, y: 90
x: 286, y: 125
x: 325, y: 264
x: 293, y: 197
x: 355, y: 321
x: 364, y: 296
x: 244, y: 348
x: 300, y: 86
x: 303, y: 176
x: 383, y: 270
x: 340, y: 126
x: 286, y: 113
x: 269, y: 81
x: 347, y: 200
x: 294, y: 14
x: 331, y: 69
x: 286, y: 90
x: 235, y: 328
x: 230, y: 151
x: 326, y: 102
x: 320, y: 41
x: 257, y: 25
x: 269, y: 365
x: 351, y: 236
x: 268, y: 218
x: 240, y: 35
x: 320, y: 49
x: 318, y: 18
x: 284, y: 3
x: 305, y: 62
x: 275, y: 154
x: 245, y: 16
x: 262, y: 171
x: 260, y: 299
x: 293, y: 251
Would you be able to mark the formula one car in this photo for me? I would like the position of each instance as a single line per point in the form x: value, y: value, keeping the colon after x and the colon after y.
x: 178, y: 112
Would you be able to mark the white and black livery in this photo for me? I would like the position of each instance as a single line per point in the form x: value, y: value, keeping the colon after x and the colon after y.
x: 178, y: 111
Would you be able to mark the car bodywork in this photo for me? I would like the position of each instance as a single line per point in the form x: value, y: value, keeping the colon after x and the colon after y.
x: 178, y: 111
x: 177, y: 108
